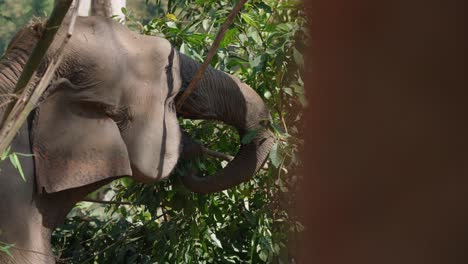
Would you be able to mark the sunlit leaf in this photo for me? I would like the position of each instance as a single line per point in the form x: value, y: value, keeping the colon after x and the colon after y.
x: 288, y: 91
x: 171, y: 17
x: 263, y: 255
x: 5, y: 154
x: 249, y: 20
x: 206, y: 23
x: 228, y: 38
x: 171, y: 24
x: 215, y: 240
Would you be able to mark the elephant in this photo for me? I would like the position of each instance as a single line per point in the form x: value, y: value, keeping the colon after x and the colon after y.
x: 108, y: 113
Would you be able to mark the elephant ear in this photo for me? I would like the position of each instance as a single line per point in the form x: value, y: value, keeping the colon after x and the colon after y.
x: 75, y: 145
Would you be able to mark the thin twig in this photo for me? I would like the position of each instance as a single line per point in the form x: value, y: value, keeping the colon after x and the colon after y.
x: 216, y: 154
x: 34, y: 251
x: 10, y: 95
x: 211, y: 53
x: 223, y: 156
x: 163, y: 211
x: 6, y: 103
x: 105, y: 202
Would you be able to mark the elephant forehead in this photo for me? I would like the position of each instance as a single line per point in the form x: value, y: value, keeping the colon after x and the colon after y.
x: 152, y: 74
x: 148, y: 56
x: 112, y: 63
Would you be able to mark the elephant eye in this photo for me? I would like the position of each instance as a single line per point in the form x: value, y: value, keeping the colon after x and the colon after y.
x: 121, y: 116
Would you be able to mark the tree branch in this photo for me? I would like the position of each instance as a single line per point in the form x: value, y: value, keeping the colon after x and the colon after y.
x: 216, y: 154
x: 105, y: 202
x: 211, y: 53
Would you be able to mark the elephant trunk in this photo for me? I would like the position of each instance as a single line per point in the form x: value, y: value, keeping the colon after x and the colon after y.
x: 220, y: 96
x: 14, y: 59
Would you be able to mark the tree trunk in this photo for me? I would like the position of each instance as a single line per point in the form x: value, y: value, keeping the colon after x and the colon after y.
x: 106, y: 8
x: 101, y: 8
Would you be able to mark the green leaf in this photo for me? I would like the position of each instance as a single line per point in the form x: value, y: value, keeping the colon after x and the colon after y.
x: 196, y: 39
x: 6, y: 154
x: 228, y: 38
x: 7, y: 18
x: 183, y: 48
x: 215, y: 239
x: 206, y: 24
x: 263, y: 255
x: 298, y: 88
x: 282, y: 28
x: 16, y: 163
x: 256, y: 62
x: 6, y: 249
x: 298, y: 57
x: 275, y: 155
x: 253, y: 34
x: 277, y: 129
x: 243, y: 38
x: 288, y: 91
x: 249, y: 20
x: 126, y: 182
x: 171, y: 24
x: 249, y: 136
x: 171, y: 17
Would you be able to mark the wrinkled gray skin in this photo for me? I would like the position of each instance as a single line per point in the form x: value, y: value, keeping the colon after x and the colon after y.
x: 108, y: 114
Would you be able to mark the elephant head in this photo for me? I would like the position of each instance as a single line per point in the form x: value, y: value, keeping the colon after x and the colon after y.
x: 110, y: 111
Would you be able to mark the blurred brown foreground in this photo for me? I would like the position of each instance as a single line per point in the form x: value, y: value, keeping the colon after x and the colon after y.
x: 386, y: 133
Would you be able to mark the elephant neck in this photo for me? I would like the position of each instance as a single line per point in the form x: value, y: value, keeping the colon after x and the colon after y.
x: 22, y: 221
x: 28, y: 218
x: 24, y: 229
